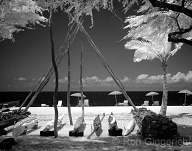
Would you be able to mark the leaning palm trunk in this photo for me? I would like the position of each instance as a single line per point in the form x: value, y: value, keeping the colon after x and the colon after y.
x: 56, y: 74
x: 37, y: 92
x: 104, y: 61
x: 165, y: 92
x: 30, y: 94
x: 107, y: 67
x: 45, y: 80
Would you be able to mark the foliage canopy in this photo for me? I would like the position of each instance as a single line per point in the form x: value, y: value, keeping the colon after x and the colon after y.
x: 17, y: 14
x: 149, y: 36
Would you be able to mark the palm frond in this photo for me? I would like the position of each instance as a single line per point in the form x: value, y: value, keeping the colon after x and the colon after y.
x: 143, y: 50
x: 149, y: 34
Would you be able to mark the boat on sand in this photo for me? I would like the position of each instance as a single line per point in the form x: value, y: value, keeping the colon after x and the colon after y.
x: 23, y: 126
x: 50, y: 124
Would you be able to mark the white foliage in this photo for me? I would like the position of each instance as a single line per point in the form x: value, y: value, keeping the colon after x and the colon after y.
x: 149, y: 36
x: 18, y: 13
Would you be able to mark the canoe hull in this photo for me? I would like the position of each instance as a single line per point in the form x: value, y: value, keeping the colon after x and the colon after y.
x: 130, y: 127
x: 50, y: 124
x: 9, y: 104
x: 23, y: 126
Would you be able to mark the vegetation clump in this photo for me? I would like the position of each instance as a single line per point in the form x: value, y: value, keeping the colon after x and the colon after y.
x: 158, y: 128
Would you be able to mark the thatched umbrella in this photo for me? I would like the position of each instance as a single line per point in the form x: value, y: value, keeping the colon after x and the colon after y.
x: 152, y: 94
x: 78, y: 95
x: 115, y: 93
x: 185, y: 92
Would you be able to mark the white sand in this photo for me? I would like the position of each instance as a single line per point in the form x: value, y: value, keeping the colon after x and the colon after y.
x: 122, y: 114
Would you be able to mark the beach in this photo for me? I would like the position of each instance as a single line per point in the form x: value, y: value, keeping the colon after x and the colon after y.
x: 182, y: 115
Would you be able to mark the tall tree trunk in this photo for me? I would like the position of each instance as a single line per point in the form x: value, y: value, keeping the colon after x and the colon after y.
x: 69, y: 83
x: 163, y: 109
x: 56, y: 74
x: 81, y: 74
x: 43, y: 81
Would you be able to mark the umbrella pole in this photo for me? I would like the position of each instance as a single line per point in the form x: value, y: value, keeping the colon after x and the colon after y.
x: 185, y: 99
x: 116, y: 100
x: 152, y: 99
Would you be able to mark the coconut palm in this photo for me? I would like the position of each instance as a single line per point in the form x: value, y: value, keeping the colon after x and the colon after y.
x: 150, y: 40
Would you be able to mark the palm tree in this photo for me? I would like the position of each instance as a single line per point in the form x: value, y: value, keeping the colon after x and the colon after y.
x: 150, y: 40
x: 69, y: 82
x: 81, y: 75
x: 56, y: 73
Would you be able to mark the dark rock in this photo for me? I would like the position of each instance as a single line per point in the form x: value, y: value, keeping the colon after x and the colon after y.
x: 158, y: 127
x: 161, y: 134
x: 3, y: 132
x: 164, y: 121
x: 153, y: 133
x: 172, y: 126
x: 11, y: 140
x: 164, y: 128
x: 5, y: 146
x: 155, y: 125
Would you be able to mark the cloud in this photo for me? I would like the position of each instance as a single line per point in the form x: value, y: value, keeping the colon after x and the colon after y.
x: 178, y: 77
x: 145, y: 78
x: 22, y: 79
x: 109, y: 79
x: 96, y: 82
x: 142, y: 77
x: 64, y: 80
x: 188, y: 77
x: 125, y: 79
x: 181, y: 77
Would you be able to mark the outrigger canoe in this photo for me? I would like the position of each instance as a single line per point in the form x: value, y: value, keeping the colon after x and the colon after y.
x: 129, y: 127
x: 23, y: 126
x: 112, y: 121
x: 50, y: 124
x: 9, y: 104
x: 97, y: 126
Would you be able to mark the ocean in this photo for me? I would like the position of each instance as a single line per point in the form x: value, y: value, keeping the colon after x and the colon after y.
x: 96, y: 98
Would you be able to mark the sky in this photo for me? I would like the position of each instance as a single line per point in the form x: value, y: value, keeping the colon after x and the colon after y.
x: 23, y: 62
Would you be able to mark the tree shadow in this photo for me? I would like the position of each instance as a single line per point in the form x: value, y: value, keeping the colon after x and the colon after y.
x: 185, y: 130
